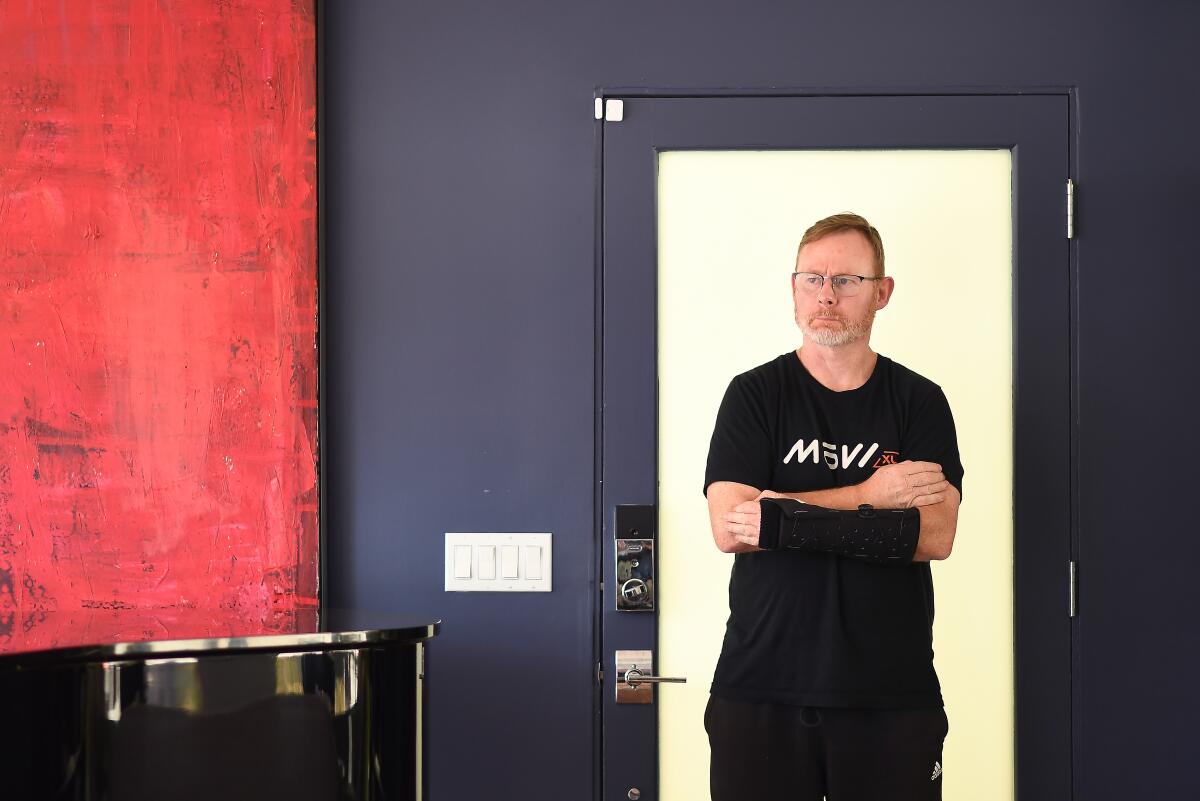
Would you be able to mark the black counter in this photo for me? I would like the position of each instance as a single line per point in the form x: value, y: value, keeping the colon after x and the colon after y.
x: 181, y: 704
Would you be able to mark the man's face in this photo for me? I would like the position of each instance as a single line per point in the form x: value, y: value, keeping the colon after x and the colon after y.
x: 827, y: 317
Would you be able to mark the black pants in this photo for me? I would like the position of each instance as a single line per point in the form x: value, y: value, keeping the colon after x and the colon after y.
x: 777, y: 752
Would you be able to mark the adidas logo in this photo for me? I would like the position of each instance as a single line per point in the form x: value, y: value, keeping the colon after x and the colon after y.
x: 937, y: 770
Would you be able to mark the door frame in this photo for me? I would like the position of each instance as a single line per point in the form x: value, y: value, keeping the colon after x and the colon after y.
x: 1023, y: 604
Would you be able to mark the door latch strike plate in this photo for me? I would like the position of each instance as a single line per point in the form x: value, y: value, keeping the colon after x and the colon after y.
x: 1073, y: 603
x: 1070, y: 209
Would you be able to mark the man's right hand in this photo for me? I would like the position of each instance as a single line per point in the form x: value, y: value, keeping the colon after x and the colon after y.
x: 905, y: 484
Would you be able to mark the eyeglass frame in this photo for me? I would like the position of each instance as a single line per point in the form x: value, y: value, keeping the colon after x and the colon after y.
x: 831, y: 277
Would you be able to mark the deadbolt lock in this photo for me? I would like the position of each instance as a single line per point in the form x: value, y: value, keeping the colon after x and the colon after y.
x: 634, y: 529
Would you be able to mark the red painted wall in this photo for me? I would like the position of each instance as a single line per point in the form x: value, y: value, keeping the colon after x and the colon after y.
x: 157, y: 307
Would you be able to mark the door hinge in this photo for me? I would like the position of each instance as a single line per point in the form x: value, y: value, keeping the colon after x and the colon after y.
x: 1070, y: 209
x: 599, y: 673
x: 1073, y: 603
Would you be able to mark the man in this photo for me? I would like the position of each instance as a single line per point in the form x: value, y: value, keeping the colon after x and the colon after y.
x: 825, y: 685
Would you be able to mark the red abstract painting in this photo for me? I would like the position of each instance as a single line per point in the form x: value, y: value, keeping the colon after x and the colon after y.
x: 158, y: 302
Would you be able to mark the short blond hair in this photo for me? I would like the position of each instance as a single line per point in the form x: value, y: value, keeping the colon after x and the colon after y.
x: 846, y: 221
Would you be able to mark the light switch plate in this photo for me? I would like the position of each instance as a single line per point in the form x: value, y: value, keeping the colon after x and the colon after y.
x: 526, y: 547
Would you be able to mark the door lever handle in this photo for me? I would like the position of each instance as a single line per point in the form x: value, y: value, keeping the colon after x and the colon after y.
x: 633, y: 677
x: 635, y: 685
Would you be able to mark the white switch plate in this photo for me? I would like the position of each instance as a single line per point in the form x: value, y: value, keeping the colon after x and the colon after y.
x: 479, y: 580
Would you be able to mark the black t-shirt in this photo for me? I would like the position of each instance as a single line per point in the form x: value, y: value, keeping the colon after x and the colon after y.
x: 813, y: 628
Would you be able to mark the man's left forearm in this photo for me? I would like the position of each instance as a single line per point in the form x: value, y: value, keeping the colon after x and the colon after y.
x: 938, y: 524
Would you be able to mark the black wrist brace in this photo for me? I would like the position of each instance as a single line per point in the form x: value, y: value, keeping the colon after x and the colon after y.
x: 883, y: 536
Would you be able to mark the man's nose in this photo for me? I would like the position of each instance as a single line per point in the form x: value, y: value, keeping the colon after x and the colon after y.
x: 826, y: 294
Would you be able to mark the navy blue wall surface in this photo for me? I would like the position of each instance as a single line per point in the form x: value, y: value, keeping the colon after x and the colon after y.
x: 458, y: 205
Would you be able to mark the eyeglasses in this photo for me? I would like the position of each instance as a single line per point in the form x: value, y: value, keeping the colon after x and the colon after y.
x: 844, y: 285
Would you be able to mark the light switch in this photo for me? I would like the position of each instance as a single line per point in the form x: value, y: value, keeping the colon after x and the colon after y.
x: 487, y: 562
x: 508, y: 561
x: 462, y: 561
x: 533, y: 562
x: 498, y: 562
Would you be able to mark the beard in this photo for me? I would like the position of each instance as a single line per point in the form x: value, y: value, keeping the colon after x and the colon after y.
x: 845, y: 331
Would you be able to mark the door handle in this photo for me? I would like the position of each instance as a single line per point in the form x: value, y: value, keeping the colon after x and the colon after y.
x: 633, y: 677
x: 636, y: 679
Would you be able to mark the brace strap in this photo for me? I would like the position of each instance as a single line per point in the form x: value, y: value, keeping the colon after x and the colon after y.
x: 882, y: 536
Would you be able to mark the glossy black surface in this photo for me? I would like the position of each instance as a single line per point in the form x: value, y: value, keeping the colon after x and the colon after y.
x: 311, y: 713
x: 38, y: 637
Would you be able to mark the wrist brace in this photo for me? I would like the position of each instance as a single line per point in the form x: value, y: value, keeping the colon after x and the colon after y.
x: 883, y: 536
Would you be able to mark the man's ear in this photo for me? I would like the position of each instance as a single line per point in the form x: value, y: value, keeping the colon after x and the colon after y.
x: 884, y: 292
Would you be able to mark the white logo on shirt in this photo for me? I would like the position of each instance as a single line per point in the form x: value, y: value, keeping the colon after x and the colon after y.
x: 829, y: 451
x: 937, y: 770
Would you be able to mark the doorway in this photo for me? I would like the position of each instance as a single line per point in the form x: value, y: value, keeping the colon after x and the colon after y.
x: 704, y: 200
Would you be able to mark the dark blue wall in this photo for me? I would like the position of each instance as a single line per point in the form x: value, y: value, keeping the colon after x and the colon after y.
x: 459, y: 330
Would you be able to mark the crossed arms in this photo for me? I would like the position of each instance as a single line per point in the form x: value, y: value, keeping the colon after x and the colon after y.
x: 734, y: 515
